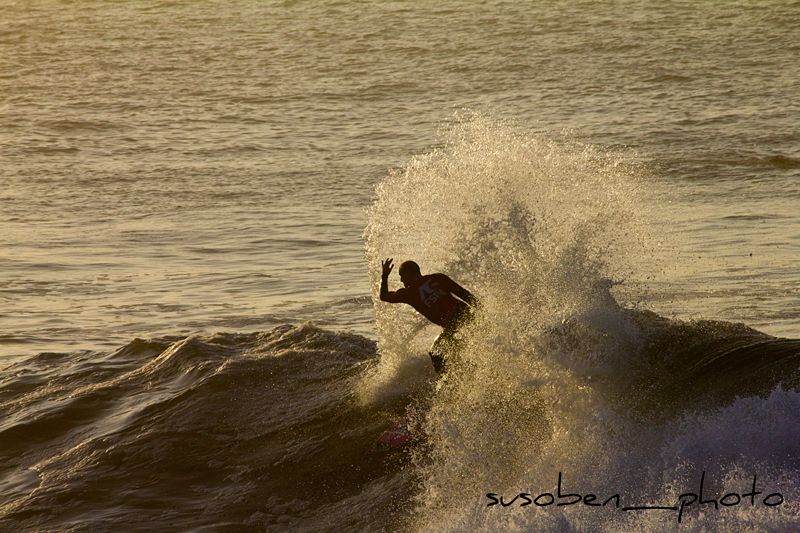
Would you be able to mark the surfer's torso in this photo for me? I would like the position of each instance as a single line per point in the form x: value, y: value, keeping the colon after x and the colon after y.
x: 431, y: 296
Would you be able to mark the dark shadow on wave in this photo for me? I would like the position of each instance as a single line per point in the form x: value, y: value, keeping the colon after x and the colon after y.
x: 706, y: 364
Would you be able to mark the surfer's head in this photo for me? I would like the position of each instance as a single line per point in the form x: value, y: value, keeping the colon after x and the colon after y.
x: 409, y: 272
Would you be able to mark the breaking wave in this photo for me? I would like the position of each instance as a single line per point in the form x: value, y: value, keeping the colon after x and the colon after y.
x: 559, y: 389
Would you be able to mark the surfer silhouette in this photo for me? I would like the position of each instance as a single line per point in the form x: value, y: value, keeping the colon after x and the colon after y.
x: 436, y: 297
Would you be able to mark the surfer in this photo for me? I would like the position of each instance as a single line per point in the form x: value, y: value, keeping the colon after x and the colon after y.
x: 436, y: 297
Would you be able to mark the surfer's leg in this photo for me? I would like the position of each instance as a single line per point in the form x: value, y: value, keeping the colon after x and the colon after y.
x: 437, y: 355
x: 441, y: 345
x: 448, y: 344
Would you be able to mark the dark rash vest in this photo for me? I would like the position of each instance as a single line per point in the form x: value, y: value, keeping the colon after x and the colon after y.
x: 431, y: 296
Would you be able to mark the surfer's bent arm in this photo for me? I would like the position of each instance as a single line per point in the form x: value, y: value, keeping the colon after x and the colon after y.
x: 386, y: 295
x: 462, y: 293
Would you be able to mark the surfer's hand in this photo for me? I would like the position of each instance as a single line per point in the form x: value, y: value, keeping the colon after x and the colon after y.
x: 387, y: 267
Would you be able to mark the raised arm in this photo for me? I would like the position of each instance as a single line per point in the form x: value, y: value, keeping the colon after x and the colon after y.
x: 386, y: 295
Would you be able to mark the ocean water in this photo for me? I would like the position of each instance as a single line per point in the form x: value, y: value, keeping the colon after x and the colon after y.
x: 196, y: 196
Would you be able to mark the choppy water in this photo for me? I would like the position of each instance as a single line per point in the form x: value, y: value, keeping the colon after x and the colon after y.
x: 202, y: 173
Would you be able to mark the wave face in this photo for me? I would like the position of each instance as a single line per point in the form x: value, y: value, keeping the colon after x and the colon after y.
x: 272, y: 430
x: 246, y: 431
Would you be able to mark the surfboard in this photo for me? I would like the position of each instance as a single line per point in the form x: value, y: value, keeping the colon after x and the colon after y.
x: 395, y: 437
